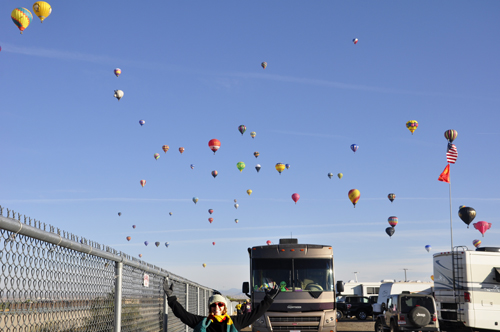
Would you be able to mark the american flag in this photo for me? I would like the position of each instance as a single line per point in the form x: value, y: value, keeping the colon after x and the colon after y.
x: 451, y: 153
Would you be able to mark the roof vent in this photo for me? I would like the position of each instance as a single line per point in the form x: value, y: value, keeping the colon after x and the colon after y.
x: 289, y: 241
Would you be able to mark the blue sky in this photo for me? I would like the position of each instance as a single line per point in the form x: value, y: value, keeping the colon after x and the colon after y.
x: 73, y: 156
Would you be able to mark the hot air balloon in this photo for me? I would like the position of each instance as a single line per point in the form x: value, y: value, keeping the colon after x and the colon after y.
x: 42, y: 10
x: 236, y: 205
x: 241, y: 166
x: 249, y: 192
x: 354, y: 147
x: 129, y: 238
x: 412, y: 125
x: 428, y: 248
x: 210, y: 220
x: 280, y: 167
x: 142, y: 122
x: 242, y: 129
x: 235, y: 200
x: 482, y: 226
x: 119, y: 213
x: 213, y: 243
x: 268, y: 242
x: 215, y: 173
x: 330, y: 175
x: 256, y: 154
x: 195, y: 200
x: 21, y: 17
x: 450, y: 135
x: 210, y: 211
x: 476, y: 243
x: 236, y: 220
x: 390, y: 231
x: 391, y: 197
x: 393, y: 221
x: 214, y: 145
x: 165, y: 148
x: 467, y: 214
x: 355, y: 41
x: 143, y: 183
x: 146, y: 243
x: 204, y: 265
x: 118, y: 94
x: 257, y: 167
x: 157, y: 156
x: 340, y: 175
x: 264, y: 64
x: 170, y: 213
x: 253, y: 134
x: 354, y: 195
x: 192, y: 166
x: 181, y: 149
x: 287, y: 166
x: 295, y: 197
x: 140, y: 255
x: 167, y: 244
x: 157, y: 244
x: 118, y: 72
x: 133, y: 226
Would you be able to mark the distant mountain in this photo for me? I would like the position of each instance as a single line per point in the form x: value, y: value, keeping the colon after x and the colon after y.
x: 234, y: 293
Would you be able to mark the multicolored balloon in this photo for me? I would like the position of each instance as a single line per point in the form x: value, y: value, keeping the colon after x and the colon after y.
x: 165, y: 148
x: 42, y: 10
x: 295, y: 197
x: 253, y: 134
x: 391, y: 197
x: 256, y: 154
x: 482, y: 226
x: 118, y: 72
x: 428, y: 248
x: 210, y: 220
x: 264, y: 65
x: 192, y: 166
x: 170, y: 213
x: 249, y: 192
x: 412, y: 125
x: 157, y: 156
x: 467, y: 214
x: 257, y: 167
x: 355, y: 41
x: 210, y: 211
x: 340, y: 175
x: 280, y: 167
x: 140, y: 255
x: 236, y: 220
x: 118, y: 94
x: 146, y: 243
x: 354, y: 195
x: 128, y: 238
x: 242, y: 129
x: 143, y: 183
x: 393, y: 221
x: 195, y: 200
x: 450, y: 135
x: 213, y: 243
x: 21, y: 18
x: 330, y: 175
x: 390, y: 231
x: 133, y: 226
x: 354, y: 147
x: 215, y: 173
x: 287, y: 166
x: 167, y: 244
x: 214, y: 144
x: 241, y: 166
x: 476, y: 243
x: 142, y: 122
x: 181, y: 150
x: 157, y: 244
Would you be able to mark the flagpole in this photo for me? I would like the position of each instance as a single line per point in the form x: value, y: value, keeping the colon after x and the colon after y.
x: 451, y: 222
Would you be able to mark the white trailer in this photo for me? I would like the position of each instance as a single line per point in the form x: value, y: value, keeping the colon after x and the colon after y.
x: 393, y: 288
x: 361, y: 288
x: 467, y: 289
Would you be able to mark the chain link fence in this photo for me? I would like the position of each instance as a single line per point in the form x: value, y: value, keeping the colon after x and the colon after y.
x: 52, y: 280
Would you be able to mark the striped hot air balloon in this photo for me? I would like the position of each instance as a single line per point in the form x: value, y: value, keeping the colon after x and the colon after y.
x: 21, y: 18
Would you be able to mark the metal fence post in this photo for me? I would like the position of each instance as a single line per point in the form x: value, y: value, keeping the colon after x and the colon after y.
x: 118, y: 296
x: 165, y: 310
x: 187, y: 303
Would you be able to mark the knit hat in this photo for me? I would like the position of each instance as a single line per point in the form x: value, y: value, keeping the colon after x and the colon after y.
x: 216, y: 298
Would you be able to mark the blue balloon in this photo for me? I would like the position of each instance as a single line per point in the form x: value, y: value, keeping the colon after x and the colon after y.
x: 146, y: 242
x: 354, y: 147
x: 287, y: 166
x: 142, y: 122
x: 428, y: 248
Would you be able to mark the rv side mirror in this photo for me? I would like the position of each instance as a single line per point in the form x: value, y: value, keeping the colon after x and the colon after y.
x: 340, y: 286
x: 245, y: 288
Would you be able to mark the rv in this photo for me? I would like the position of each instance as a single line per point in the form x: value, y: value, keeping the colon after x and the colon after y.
x: 305, y: 275
x: 467, y: 289
x: 393, y: 288
x: 361, y: 288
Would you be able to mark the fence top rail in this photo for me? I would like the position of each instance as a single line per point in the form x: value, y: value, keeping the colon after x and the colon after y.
x: 67, y: 240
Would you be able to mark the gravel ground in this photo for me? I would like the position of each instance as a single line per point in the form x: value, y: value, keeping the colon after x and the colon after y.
x: 356, y: 325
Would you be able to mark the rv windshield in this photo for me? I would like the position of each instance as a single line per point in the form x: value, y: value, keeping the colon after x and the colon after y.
x: 292, y: 274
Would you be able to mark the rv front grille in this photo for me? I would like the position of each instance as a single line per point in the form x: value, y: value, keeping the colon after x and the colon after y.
x: 292, y: 328
x: 293, y: 319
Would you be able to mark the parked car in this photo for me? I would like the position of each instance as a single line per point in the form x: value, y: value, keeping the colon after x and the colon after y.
x: 408, y: 312
x: 354, y: 306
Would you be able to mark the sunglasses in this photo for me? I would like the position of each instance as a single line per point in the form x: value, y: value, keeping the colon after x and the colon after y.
x: 218, y: 304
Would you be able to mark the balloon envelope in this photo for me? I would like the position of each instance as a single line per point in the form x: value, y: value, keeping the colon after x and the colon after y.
x: 192, y: 166
x: 354, y: 195
x: 428, y: 248
x: 143, y: 183
x: 165, y: 148
x: 253, y: 134
x: 214, y: 145
x: 391, y: 197
x: 157, y: 244
x: 256, y: 154
x: 215, y: 173
x: 204, y: 265
x: 142, y: 122
x: 42, y: 10
x: 195, y: 200
x: 157, y: 156
x: 355, y: 41
x: 118, y: 94
x: 482, y: 226
x: 118, y: 72
x: 295, y: 197
x: 133, y: 226
x: 128, y: 238
x: 268, y: 242
x: 21, y: 18
x: 140, y: 255
x: 450, y: 135
x: 287, y: 166
x: 340, y: 175
x: 257, y: 167
x: 476, y: 243
x: 330, y: 175
x: 210, y: 211
x: 167, y: 244
x: 236, y: 205
x: 467, y: 214
x: 181, y: 150
x: 393, y: 221
x: 146, y: 243
x: 210, y: 220
x: 213, y: 243
x: 242, y: 129
x: 280, y: 167
x: 354, y: 147
x: 390, y: 231
x: 412, y: 125
x: 170, y: 213
x: 236, y: 220
x: 249, y: 192
x: 264, y: 64
x: 119, y: 213
x: 241, y: 166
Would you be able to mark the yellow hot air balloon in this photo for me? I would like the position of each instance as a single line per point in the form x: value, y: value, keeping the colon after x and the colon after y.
x: 204, y: 265
x: 249, y: 192
x: 412, y: 125
x: 280, y: 167
x: 21, y: 17
x: 354, y: 195
x: 42, y: 10
x: 340, y: 175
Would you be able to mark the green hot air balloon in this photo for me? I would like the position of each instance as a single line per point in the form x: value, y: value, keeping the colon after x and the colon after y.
x: 241, y: 166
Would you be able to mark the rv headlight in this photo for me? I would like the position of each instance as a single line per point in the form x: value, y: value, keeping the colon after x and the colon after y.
x: 329, y: 320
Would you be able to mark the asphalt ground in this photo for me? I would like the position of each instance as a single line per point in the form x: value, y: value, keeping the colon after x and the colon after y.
x: 346, y: 325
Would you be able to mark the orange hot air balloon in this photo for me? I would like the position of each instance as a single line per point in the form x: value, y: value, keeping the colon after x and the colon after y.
x: 129, y: 238
x: 210, y: 220
x: 181, y: 149
x: 143, y: 183
x: 213, y: 243
x: 268, y: 242
x: 165, y: 148
x: 214, y: 145
x: 295, y: 197
x: 354, y: 195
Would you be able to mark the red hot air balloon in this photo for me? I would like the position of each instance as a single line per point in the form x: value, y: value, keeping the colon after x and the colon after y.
x: 295, y: 197
x: 482, y: 226
x: 213, y: 243
x: 165, y: 148
x: 214, y: 174
x: 181, y: 149
x: 268, y: 242
x: 214, y: 145
x: 210, y: 211
x: 210, y: 220
x: 143, y: 183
